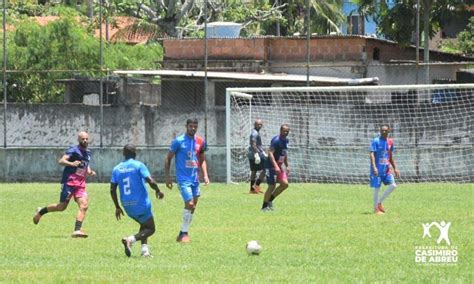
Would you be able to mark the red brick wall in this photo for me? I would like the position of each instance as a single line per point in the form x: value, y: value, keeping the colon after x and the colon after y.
x: 229, y: 49
x: 321, y: 49
x: 338, y: 48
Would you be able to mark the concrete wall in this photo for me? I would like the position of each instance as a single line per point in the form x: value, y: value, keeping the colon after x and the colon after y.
x: 40, y: 164
x: 57, y: 125
x: 328, y: 135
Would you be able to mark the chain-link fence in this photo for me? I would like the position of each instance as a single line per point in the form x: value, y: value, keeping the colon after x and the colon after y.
x: 46, y: 105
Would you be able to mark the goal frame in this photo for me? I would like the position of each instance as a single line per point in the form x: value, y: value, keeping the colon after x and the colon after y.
x: 244, y: 93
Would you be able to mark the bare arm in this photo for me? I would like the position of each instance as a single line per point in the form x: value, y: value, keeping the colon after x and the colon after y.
x: 372, y: 162
x: 90, y: 171
x: 155, y: 187
x: 113, y: 194
x: 169, y: 157
x: 64, y: 161
x: 203, y: 162
x: 254, y: 147
x: 394, y: 165
x: 272, y: 160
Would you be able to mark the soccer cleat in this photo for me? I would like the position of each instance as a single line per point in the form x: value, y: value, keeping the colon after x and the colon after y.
x: 79, y: 234
x: 37, y: 216
x: 270, y: 205
x: 147, y: 254
x: 127, y: 246
x: 378, y: 212
x: 257, y: 189
x: 380, y: 207
x: 266, y: 209
x: 253, y: 191
x: 183, y: 238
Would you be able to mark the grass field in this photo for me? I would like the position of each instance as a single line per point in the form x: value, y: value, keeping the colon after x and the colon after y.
x: 318, y: 233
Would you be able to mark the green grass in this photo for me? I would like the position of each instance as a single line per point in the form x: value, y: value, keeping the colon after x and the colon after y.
x: 319, y: 233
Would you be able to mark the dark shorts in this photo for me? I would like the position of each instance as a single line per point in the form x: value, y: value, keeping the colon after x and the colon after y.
x: 67, y: 192
x: 254, y: 167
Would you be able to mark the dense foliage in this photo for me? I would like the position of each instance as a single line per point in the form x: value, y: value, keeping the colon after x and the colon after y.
x: 65, y: 48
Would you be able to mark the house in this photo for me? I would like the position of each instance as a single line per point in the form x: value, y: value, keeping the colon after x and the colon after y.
x: 339, y: 56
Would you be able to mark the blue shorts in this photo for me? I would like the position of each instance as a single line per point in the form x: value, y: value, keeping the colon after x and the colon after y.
x: 189, y: 190
x: 376, y: 181
x: 139, y: 213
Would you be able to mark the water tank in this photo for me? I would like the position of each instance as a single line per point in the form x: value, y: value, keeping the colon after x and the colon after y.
x: 223, y: 30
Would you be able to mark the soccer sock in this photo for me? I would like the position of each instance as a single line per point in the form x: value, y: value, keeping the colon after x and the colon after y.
x: 272, y: 198
x: 258, y: 182
x: 132, y: 239
x: 376, y: 197
x: 144, y: 248
x: 78, y: 225
x: 43, y: 211
x: 187, y: 218
x: 387, y: 192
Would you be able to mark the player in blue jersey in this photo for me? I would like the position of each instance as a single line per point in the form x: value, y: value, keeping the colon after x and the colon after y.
x: 257, y: 157
x: 381, y: 158
x: 277, y: 167
x: 189, y: 150
x: 73, y: 183
x: 130, y: 176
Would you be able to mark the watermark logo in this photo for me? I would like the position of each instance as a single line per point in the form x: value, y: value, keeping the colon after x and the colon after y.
x: 439, y: 254
x: 443, y: 231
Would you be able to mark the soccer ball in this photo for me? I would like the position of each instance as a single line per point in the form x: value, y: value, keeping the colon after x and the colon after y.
x: 253, y: 248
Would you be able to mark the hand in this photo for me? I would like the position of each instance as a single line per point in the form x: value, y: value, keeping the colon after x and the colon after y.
x: 206, y: 180
x: 169, y: 183
x: 159, y: 194
x: 92, y: 173
x: 397, y: 173
x: 76, y: 164
x: 118, y: 213
x: 376, y: 172
x: 277, y: 170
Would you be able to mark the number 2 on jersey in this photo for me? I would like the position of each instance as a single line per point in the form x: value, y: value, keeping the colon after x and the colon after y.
x: 126, y: 186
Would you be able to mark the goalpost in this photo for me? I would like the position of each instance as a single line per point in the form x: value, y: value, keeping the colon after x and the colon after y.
x: 331, y: 129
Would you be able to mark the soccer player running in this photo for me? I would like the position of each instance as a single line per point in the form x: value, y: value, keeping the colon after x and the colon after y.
x: 130, y: 176
x: 257, y: 157
x: 189, y: 150
x: 73, y: 183
x: 277, y: 157
x: 381, y: 157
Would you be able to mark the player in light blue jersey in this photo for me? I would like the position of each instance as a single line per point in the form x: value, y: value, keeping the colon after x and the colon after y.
x: 130, y: 176
x: 189, y: 150
x: 381, y: 158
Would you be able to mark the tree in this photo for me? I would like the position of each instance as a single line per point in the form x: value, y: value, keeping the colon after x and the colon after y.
x: 398, y: 21
x: 464, y: 42
x: 177, y: 18
x: 63, y: 48
x: 466, y: 38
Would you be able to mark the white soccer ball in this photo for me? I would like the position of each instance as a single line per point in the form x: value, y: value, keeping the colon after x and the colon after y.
x: 253, y: 248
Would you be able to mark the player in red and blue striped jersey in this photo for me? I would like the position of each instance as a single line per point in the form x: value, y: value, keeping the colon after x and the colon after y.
x: 276, y: 173
x: 189, y: 150
x: 73, y: 183
x: 381, y: 162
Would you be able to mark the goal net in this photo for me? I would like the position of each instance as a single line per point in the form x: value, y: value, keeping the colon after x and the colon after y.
x: 331, y: 129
